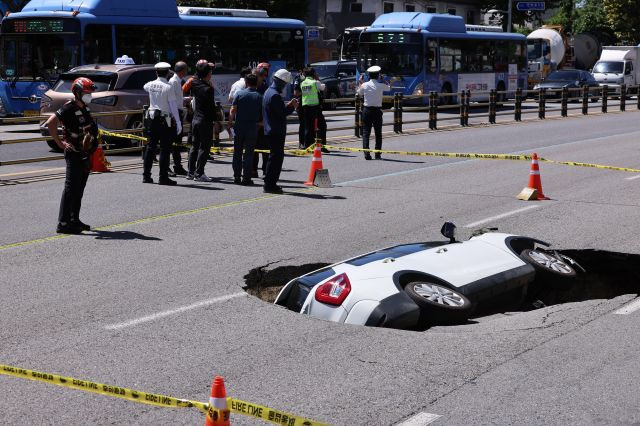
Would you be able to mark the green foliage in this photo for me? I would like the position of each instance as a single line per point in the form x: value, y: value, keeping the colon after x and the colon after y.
x: 624, y: 19
x: 296, y: 9
x: 565, y: 15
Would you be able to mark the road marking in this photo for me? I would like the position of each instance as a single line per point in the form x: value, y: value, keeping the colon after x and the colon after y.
x: 420, y: 419
x: 501, y: 216
x: 633, y: 177
x: 175, y: 311
x: 60, y: 169
x: 629, y: 308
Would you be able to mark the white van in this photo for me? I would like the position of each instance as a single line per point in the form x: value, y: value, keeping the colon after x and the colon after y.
x: 618, y: 65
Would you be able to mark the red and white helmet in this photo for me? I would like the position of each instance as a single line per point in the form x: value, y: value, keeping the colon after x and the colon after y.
x: 82, y: 85
x: 263, y: 68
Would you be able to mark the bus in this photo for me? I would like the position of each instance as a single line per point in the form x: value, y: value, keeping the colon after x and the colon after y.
x: 49, y: 37
x: 424, y: 52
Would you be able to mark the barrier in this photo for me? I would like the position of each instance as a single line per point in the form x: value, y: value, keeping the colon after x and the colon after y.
x: 237, y: 406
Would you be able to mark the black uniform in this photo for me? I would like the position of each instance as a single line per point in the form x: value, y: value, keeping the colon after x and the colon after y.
x: 76, y: 122
x: 201, y: 126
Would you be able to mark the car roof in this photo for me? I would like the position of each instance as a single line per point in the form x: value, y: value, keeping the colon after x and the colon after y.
x: 334, y: 62
x: 109, y: 68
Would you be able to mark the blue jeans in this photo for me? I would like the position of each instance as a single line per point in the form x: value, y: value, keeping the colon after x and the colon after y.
x: 244, y: 139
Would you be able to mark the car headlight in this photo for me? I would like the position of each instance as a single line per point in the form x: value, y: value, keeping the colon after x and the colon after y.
x: 107, y: 100
x: 419, y: 90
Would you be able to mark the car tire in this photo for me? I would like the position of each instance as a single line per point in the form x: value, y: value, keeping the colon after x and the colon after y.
x: 439, y: 304
x: 135, y: 123
x: 548, y: 264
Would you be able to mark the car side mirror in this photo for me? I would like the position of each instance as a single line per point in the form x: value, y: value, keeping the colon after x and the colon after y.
x: 448, y: 230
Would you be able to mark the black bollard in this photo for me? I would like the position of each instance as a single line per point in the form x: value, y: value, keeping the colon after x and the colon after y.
x: 585, y: 100
x: 563, y: 101
x: 518, y: 107
x: 492, y: 106
x: 463, y: 98
x: 623, y: 98
x: 356, y: 117
x: 605, y: 98
x: 542, y: 103
x: 400, y: 102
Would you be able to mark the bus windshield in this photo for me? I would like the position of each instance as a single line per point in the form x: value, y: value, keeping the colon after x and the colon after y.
x: 38, y: 56
x: 396, y: 53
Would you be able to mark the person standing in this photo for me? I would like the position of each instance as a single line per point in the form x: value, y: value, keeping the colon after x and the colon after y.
x: 372, y: 91
x: 163, y: 106
x: 240, y: 84
x: 262, y: 72
x: 274, y: 115
x: 180, y: 72
x: 311, y: 88
x: 202, y: 124
x: 246, y: 117
x: 78, y: 142
x: 297, y: 93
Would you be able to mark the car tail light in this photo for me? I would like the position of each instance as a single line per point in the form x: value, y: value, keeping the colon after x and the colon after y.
x: 334, y: 291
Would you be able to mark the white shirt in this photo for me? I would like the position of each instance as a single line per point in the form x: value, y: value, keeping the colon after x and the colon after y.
x: 160, y: 94
x: 176, y: 86
x: 372, y: 91
x: 236, y: 87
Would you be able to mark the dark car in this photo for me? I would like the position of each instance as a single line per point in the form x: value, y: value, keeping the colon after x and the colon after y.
x: 339, y: 78
x: 571, y: 79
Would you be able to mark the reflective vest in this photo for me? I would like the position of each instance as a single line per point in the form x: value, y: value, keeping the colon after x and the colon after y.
x: 309, y: 89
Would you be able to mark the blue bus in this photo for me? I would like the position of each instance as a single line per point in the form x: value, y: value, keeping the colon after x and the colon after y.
x: 423, y: 52
x: 49, y: 37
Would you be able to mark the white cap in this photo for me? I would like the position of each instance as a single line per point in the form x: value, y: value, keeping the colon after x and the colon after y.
x: 162, y: 66
x: 283, y: 75
x: 374, y: 69
x: 124, y: 60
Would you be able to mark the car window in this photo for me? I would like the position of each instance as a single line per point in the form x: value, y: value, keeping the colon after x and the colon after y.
x: 395, y: 252
x: 349, y: 71
x: 563, y: 76
x: 102, y: 82
x: 325, y: 71
x: 138, y: 79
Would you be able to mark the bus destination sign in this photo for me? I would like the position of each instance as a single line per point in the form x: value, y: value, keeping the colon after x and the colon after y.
x: 38, y: 26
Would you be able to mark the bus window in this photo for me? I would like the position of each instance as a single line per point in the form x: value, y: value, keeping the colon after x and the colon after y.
x: 450, y: 55
x: 97, y: 44
x: 432, y: 53
x: 501, y: 56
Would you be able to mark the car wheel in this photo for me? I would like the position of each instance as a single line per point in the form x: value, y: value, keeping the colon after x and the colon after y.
x: 135, y: 123
x: 548, y: 263
x: 439, y: 304
x: 54, y: 146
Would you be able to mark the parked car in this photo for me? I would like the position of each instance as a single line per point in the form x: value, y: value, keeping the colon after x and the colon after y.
x: 413, y: 285
x: 118, y: 88
x: 571, y: 79
x: 339, y: 78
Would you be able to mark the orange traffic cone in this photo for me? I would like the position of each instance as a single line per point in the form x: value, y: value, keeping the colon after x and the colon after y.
x: 218, y: 414
x: 534, y: 180
x: 316, y: 164
x: 99, y: 162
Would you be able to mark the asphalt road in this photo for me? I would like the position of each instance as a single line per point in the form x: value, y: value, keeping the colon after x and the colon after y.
x: 154, y: 301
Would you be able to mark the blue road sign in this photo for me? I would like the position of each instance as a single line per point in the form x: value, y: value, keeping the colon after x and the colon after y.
x: 530, y: 5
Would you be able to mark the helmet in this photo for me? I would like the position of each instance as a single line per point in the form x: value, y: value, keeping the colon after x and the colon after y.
x: 263, y: 67
x: 82, y: 85
x: 284, y: 75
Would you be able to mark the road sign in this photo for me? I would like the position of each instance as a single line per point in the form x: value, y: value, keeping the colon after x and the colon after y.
x: 530, y: 5
x: 313, y: 34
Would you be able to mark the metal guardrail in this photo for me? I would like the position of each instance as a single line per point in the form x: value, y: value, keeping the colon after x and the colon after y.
x: 435, y: 103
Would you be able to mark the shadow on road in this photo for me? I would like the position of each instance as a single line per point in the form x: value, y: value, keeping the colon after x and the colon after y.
x: 120, y: 235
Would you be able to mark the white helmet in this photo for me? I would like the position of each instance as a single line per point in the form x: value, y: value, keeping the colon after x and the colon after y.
x: 283, y: 75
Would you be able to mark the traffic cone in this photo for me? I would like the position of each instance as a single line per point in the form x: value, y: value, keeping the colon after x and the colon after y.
x: 535, y: 183
x: 99, y: 162
x: 316, y: 164
x: 218, y: 414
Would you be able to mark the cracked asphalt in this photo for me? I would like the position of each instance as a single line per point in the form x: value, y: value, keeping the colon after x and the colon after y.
x: 156, y: 258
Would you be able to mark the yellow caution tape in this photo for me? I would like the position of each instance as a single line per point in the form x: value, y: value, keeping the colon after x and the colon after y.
x: 122, y: 135
x: 268, y: 414
x: 478, y: 156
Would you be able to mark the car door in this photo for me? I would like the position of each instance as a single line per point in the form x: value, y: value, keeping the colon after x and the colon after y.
x: 347, y: 80
x: 628, y: 73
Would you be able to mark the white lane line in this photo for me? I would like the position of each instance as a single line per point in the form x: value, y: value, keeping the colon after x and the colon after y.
x: 175, y: 311
x: 633, y: 177
x: 501, y: 216
x: 420, y: 419
x: 629, y: 308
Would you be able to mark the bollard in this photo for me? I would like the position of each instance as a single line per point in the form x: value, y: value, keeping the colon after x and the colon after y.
x: 467, y: 106
x: 542, y: 103
x: 433, y: 110
x: 605, y: 96
x: 623, y: 98
x: 400, y: 102
x: 585, y: 100
x: 492, y: 106
x: 518, y: 107
x: 396, y: 113
x: 356, y: 117
x: 638, y: 95
x: 463, y: 100
x: 563, y: 101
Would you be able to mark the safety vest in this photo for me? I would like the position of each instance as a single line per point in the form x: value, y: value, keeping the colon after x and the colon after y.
x: 309, y: 89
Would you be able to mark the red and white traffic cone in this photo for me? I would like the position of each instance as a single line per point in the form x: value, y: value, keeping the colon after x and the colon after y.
x: 535, y: 183
x: 316, y: 164
x: 218, y: 414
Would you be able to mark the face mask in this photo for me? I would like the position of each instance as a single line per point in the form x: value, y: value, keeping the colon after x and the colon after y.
x: 86, y: 98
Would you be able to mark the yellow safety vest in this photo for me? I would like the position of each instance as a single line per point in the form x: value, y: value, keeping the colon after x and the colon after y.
x: 309, y: 89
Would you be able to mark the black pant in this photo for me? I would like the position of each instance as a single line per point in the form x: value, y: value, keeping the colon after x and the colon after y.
x: 372, y: 117
x: 75, y: 181
x: 201, y: 148
x: 244, y: 139
x: 311, y: 113
x: 276, y: 157
x: 159, y: 132
x: 261, y: 143
x: 301, y: 127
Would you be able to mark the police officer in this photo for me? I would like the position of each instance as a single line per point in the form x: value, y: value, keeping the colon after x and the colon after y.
x: 78, y: 142
x: 311, y: 88
x: 372, y: 91
x: 202, y: 124
x: 274, y: 115
x: 163, y: 106
x: 180, y: 72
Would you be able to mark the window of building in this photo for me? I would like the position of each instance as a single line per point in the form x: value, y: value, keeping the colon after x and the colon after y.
x: 410, y: 7
x: 387, y: 7
x: 451, y: 11
x: 471, y: 17
x: 356, y: 7
x: 432, y: 9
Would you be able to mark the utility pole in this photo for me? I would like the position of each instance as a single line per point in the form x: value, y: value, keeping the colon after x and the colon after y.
x: 510, y: 13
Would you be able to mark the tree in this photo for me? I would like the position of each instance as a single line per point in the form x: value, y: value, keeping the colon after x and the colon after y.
x: 624, y: 19
x: 14, y: 5
x: 565, y: 15
x: 296, y: 9
x: 518, y: 17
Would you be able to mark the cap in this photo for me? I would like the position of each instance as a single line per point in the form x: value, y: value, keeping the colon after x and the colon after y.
x: 374, y: 69
x: 284, y: 75
x: 162, y: 66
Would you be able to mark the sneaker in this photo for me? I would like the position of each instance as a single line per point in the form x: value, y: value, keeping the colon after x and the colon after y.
x: 189, y: 176
x: 246, y: 182
x: 180, y: 171
x: 147, y: 179
x: 237, y: 180
x: 273, y: 189
x: 67, y: 228
x: 378, y: 157
x: 170, y: 173
x: 167, y: 182
x: 367, y: 156
x: 81, y: 225
x: 203, y: 178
